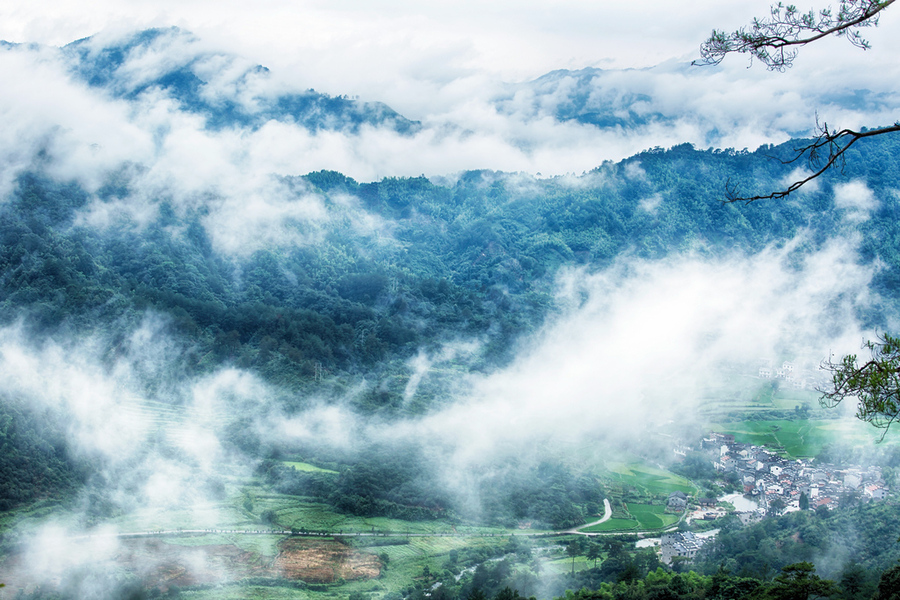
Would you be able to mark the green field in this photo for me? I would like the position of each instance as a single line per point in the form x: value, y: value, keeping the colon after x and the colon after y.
x: 612, y: 525
x: 313, y: 516
x: 264, y: 545
x: 564, y: 565
x: 652, y: 516
x: 249, y: 592
x: 652, y: 480
x: 800, y: 438
x: 306, y: 467
x: 744, y: 393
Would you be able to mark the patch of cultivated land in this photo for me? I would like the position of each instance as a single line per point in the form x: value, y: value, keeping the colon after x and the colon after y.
x: 651, y: 516
x: 645, y: 517
x: 162, y: 565
x: 612, y: 525
x: 311, y: 516
x: 324, y: 561
x: 306, y: 467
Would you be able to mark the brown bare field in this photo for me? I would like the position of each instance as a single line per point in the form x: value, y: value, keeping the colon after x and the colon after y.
x: 324, y: 561
x: 161, y: 565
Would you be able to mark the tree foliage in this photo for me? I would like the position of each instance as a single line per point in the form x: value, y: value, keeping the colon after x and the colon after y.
x: 875, y: 383
x: 800, y: 582
x: 34, y: 462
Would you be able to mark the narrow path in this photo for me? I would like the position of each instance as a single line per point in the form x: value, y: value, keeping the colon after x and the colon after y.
x: 607, y: 514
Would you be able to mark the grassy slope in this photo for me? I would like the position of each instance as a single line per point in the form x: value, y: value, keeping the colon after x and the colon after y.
x: 306, y: 467
x: 653, y: 480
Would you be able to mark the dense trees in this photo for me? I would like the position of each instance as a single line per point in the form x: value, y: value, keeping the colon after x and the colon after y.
x: 837, y: 542
x: 34, y: 462
x: 798, y: 581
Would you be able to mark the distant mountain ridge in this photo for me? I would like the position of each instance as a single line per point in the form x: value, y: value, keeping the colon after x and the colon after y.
x: 215, y: 85
x: 587, y: 96
x: 671, y: 99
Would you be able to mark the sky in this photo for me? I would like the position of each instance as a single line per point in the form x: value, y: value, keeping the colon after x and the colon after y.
x: 445, y: 64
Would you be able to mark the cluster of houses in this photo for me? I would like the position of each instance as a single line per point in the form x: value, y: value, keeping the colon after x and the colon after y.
x: 777, y: 484
x: 791, y: 375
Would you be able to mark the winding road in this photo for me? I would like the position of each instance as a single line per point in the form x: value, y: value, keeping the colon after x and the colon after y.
x: 607, y: 514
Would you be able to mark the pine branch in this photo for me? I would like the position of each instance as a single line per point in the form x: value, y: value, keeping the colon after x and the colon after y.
x: 774, y: 41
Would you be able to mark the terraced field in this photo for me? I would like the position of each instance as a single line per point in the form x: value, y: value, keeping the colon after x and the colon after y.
x: 652, y: 516
x: 312, y: 516
x: 644, y: 517
x: 612, y: 525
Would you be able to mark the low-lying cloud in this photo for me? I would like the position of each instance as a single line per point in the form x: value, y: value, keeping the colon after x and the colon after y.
x: 640, y: 342
x: 631, y: 349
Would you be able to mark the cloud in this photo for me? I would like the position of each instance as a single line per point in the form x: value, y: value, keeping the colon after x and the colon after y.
x: 640, y: 343
x: 152, y: 435
x: 723, y: 106
x: 634, y: 346
x: 115, y: 397
x: 799, y: 174
x: 650, y: 203
x: 73, y: 131
x: 856, y: 199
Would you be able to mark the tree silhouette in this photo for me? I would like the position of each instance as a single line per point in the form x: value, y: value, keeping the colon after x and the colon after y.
x: 575, y: 549
x: 594, y: 552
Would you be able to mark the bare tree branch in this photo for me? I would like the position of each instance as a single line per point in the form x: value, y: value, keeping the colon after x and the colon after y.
x: 834, y: 143
x: 875, y: 384
x: 774, y: 41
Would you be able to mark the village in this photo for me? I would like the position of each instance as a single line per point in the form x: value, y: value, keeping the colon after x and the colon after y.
x: 771, y: 485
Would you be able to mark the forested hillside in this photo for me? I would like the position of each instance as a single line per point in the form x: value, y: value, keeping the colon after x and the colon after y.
x: 395, y: 267
x: 436, y: 260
